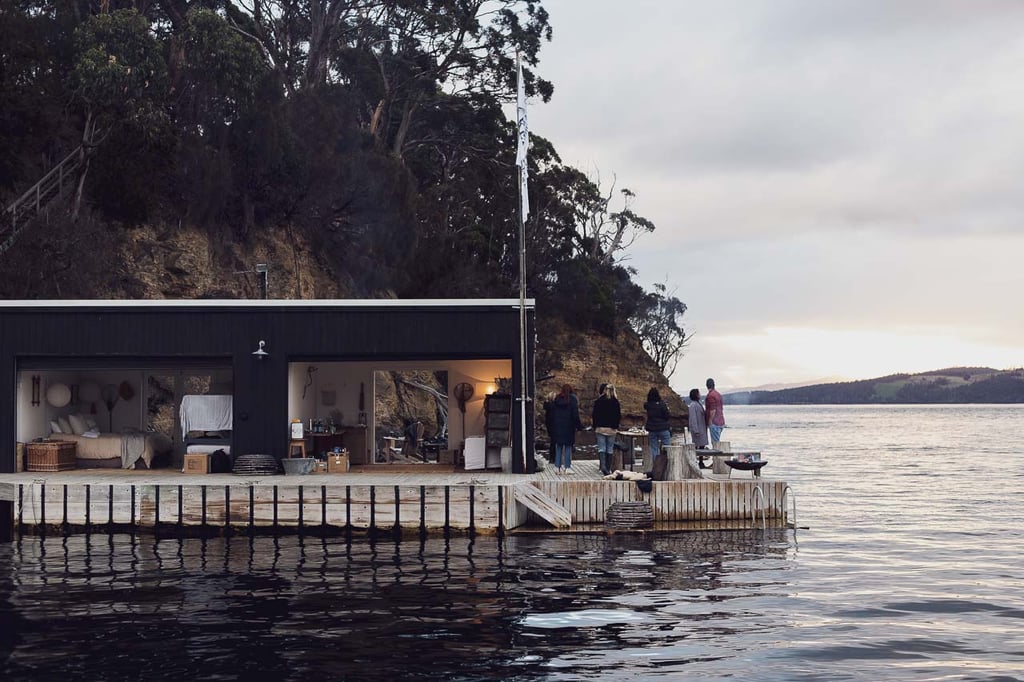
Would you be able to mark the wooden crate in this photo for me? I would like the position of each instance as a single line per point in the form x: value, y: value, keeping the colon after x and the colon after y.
x: 337, y: 463
x: 197, y: 463
x: 50, y: 456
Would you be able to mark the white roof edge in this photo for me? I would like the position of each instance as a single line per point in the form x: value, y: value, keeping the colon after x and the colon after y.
x: 272, y: 303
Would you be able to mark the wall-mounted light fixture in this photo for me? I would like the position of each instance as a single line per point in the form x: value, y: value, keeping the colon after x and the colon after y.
x: 259, y: 352
x: 35, y: 390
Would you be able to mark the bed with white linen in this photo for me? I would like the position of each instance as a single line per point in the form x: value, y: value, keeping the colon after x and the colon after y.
x: 117, y: 450
x: 206, y: 422
x: 123, y: 450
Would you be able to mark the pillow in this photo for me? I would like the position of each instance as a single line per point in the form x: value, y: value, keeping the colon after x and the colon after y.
x: 55, y: 427
x: 78, y: 425
x: 65, y: 427
x: 91, y: 423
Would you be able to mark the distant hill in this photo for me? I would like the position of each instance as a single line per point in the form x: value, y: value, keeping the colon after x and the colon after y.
x: 950, y: 385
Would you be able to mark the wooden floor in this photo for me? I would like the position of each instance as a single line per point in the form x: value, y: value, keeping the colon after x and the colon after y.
x: 406, y: 496
x: 375, y: 474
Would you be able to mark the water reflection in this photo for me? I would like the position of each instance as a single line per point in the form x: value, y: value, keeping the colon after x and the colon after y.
x: 134, y: 606
x: 910, y: 570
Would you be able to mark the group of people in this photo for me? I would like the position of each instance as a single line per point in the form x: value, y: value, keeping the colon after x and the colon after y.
x: 709, y: 416
x: 562, y: 419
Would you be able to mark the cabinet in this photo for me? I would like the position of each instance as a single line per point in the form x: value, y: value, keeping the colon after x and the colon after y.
x: 321, y: 443
x: 498, y: 432
x: 354, y: 438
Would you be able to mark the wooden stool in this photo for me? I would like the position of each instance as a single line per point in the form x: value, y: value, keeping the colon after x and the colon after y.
x: 300, y: 444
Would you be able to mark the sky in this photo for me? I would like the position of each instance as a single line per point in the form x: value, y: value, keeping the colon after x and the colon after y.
x: 836, y: 184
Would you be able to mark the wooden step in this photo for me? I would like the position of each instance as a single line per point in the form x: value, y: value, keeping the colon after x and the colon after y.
x: 545, y: 507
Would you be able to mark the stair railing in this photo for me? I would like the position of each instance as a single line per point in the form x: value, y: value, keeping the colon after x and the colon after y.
x: 34, y: 201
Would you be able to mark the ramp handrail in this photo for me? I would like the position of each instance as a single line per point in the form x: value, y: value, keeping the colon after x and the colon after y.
x: 753, y: 510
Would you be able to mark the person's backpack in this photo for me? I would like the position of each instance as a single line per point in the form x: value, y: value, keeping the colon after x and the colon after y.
x: 220, y: 462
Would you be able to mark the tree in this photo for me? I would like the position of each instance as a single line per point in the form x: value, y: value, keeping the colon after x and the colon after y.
x: 603, y: 233
x: 658, y: 323
x: 419, y: 51
x: 119, y: 76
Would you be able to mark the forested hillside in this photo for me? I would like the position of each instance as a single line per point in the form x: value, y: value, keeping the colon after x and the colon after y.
x: 359, y: 148
x: 951, y: 385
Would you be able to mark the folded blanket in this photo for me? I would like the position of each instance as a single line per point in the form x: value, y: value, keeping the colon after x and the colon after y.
x: 133, y: 446
x: 91, y: 433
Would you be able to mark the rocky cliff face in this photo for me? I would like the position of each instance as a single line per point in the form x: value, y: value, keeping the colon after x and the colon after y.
x: 587, y: 360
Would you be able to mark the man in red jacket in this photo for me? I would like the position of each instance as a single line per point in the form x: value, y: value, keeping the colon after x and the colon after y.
x: 716, y: 417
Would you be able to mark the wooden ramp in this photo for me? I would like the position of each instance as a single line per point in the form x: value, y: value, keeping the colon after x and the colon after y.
x: 542, y: 505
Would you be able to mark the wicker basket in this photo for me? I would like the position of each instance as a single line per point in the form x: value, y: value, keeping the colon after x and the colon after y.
x: 50, y: 456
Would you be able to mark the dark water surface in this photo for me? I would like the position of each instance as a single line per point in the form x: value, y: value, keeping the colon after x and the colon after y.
x: 909, y: 568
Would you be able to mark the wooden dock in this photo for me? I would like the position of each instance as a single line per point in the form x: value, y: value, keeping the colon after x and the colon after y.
x: 381, y: 498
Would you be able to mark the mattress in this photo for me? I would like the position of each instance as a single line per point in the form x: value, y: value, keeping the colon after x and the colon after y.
x: 201, y: 449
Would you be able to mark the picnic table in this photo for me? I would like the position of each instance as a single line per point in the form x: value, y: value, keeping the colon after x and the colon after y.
x: 633, y: 435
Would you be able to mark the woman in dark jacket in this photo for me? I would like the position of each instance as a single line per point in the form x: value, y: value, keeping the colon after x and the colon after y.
x: 658, y: 433
x: 605, y: 419
x: 549, y: 420
x: 565, y: 422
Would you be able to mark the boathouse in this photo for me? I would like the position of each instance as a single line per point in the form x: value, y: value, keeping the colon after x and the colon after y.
x: 260, y: 367
x: 272, y: 362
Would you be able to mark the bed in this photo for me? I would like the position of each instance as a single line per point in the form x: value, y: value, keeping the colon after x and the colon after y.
x: 119, y: 450
x: 206, y: 422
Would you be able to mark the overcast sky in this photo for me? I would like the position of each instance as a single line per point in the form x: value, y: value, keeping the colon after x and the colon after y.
x: 836, y: 184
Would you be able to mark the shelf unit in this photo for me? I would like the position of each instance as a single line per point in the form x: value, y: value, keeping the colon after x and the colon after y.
x: 498, y: 423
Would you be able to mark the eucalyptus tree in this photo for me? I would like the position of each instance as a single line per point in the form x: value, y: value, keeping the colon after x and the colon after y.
x: 659, y: 324
x: 119, y: 77
x: 399, y: 54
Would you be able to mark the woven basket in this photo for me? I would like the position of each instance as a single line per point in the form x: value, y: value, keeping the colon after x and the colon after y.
x: 629, y: 515
x: 52, y: 456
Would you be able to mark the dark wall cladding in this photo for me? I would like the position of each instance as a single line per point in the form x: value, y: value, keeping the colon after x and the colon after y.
x: 156, y: 335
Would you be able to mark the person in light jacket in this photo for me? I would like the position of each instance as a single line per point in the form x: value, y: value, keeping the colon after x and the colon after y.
x: 698, y: 420
x: 605, y: 418
x: 658, y: 433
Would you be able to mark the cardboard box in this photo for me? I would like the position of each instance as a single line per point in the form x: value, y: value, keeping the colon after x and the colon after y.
x: 320, y: 467
x: 446, y: 457
x: 337, y: 463
x: 197, y: 463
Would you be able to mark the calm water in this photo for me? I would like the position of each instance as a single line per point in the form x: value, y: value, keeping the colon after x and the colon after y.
x: 909, y: 568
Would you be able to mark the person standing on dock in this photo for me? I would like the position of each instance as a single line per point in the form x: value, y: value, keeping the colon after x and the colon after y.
x: 565, y: 422
x: 605, y: 418
x: 715, y: 414
x: 698, y: 420
x: 658, y: 433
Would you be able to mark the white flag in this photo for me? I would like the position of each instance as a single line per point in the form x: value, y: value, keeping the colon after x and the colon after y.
x: 524, y: 137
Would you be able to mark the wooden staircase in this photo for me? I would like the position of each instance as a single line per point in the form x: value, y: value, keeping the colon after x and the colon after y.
x: 542, y: 505
x: 36, y: 200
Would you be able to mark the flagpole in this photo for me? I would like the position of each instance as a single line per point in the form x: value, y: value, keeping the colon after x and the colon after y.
x: 523, y: 139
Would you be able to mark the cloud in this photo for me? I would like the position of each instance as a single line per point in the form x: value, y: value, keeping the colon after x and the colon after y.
x: 849, y: 166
